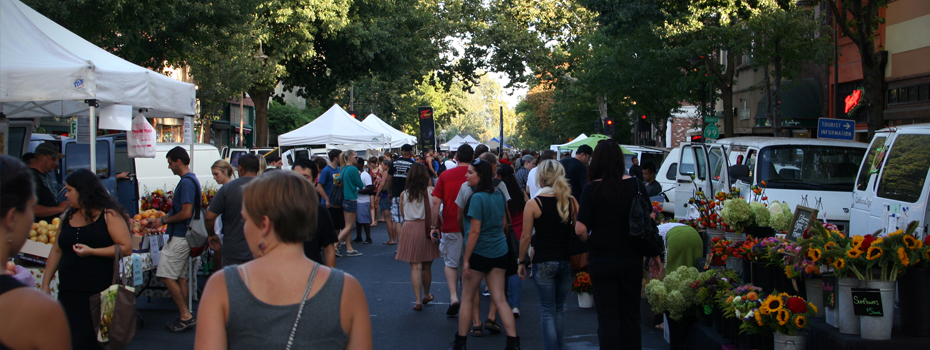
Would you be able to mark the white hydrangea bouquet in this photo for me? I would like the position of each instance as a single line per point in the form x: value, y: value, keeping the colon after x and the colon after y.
x: 675, y: 294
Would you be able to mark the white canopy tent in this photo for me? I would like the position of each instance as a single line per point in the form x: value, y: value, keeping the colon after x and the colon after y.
x: 47, y: 71
x: 457, y: 140
x: 579, y: 138
x: 398, y: 138
x: 467, y: 139
x: 336, y: 127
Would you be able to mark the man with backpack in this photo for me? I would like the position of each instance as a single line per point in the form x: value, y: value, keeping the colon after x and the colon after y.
x: 328, y: 177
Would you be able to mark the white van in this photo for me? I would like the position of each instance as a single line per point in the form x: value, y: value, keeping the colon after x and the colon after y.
x: 892, y: 187
x: 820, y: 173
x: 667, y: 176
x: 149, y: 174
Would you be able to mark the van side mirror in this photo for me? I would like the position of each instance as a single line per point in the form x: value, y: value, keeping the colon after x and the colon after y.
x: 739, y: 172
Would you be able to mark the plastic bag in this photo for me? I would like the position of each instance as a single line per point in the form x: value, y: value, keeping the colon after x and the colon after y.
x: 141, y: 139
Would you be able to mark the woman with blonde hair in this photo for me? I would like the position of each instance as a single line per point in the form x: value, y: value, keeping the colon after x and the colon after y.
x: 259, y: 304
x: 351, y: 183
x: 223, y: 174
x: 551, y: 213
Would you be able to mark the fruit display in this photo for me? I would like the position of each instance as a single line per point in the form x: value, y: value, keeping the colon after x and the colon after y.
x: 158, y: 200
x: 139, y: 223
x: 43, y: 232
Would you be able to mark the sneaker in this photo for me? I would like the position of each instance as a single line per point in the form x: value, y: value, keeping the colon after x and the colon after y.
x: 486, y: 292
x: 179, y: 326
x: 339, y: 252
x: 367, y: 241
x: 353, y: 253
x: 516, y: 312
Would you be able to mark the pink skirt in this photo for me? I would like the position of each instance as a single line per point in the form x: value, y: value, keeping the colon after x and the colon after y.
x: 414, y: 246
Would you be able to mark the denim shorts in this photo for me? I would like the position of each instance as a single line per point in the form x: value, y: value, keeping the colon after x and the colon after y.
x: 385, y: 203
x: 350, y: 206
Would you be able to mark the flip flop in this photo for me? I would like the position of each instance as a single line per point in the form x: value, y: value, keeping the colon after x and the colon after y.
x: 453, y: 309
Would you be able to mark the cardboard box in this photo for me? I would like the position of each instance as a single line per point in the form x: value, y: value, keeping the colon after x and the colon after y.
x: 38, y: 249
x: 139, y: 244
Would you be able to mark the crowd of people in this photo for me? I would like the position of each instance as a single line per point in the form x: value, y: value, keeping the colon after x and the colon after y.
x: 461, y: 207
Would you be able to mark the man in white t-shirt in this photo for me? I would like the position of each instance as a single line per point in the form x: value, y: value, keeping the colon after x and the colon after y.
x: 363, y: 219
x: 531, y: 185
x: 450, y: 164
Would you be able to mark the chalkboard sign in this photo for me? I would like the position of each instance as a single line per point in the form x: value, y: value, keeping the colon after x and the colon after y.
x: 802, y: 220
x: 829, y: 290
x: 867, y: 302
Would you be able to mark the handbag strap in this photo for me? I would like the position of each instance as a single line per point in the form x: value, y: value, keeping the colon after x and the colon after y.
x: 506, y: 212
x: 290, y: 339
x: 117, y: 257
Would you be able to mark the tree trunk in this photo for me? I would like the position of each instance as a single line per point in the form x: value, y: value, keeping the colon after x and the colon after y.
x: 724, y: 82
x: 260, y: 98
x: 873, y: 72
x: 769, y: 114
x: 776, y: 108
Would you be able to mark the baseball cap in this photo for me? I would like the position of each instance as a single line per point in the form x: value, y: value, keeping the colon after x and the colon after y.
x: 48, y: 149
x: 528, y: 158
x: 406, y: 148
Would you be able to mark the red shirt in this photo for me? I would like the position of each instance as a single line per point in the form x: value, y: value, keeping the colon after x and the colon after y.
x: 447, y: 188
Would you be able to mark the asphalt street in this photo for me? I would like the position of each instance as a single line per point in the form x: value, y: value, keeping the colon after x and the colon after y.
x: 395, y: 325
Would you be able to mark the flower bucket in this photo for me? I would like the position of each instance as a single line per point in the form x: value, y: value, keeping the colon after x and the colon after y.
x: 585, y: 300
x: 735, y: 236
x: 711, y: 234
x: 833, y: 316
x: 735, y: 264
x: 763, y: 276
x: 879, y: 328
x: 913, y: 289
x: 790, y: 342
x: 678, y: 330
x: 814, y: 287
x: 848, y: 321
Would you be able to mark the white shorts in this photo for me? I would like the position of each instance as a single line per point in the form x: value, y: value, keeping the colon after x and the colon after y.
x: 172, y: 263
x: 450, y: 245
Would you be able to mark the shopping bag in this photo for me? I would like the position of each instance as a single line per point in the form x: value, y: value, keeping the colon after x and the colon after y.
x: 113, y: 311
x: 141, y: 139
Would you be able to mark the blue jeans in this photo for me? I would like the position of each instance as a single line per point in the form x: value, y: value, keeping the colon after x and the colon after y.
x: 514, y: 286
x: 553, y: 280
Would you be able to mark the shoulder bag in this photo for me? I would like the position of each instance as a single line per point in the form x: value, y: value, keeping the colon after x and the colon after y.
x: 643, y: 228
x: 336, y: 196
x: 196, y: 231
x: 579, y: 261
x: 513, y: 246
x: 113, y: 311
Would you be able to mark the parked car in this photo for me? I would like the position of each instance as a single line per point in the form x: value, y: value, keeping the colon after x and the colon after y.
x: 892, y: 187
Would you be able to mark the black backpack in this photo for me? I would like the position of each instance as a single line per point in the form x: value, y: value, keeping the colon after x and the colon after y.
x: 643, y: 227
x: 442, y: 167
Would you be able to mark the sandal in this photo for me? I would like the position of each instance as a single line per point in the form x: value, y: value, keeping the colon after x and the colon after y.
x: 429, y: 298
x: 492, y: 326
x: 418, y: 307
x: 179, y: 325
x: 476, y: 331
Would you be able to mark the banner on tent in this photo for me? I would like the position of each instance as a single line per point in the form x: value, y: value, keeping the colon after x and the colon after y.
x: 427, y: 128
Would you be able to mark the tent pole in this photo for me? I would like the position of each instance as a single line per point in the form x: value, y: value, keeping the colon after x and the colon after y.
x: 92, y: 104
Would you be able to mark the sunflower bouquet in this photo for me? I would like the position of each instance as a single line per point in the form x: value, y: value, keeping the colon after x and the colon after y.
x: 782, y: 313
x: 673, y: 294
x: 892, y: 254
x: 582, y: 283
x: 826, y: 246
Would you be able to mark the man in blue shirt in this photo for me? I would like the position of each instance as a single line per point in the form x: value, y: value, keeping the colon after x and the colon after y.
x: 172, y: 266
x: 326, y: 179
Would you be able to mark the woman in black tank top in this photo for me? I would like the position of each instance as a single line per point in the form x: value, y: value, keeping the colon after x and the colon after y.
x: 25, y: 310
x: 551, y: 214
x: 83, y: 252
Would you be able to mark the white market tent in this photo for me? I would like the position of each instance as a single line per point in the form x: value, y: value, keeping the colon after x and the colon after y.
x: 398, y: 138
x: 335, y: 127
x: 47, y: 71
x: 465, y: 140
x: 457, y: 140
x: 579, y: 138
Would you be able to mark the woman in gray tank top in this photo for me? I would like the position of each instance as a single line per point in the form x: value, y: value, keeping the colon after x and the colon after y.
x: 259, y: 305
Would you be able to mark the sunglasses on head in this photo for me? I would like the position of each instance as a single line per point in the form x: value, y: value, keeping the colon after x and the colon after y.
x: 476, y: 162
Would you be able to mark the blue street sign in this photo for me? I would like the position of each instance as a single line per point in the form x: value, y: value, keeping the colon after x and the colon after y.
x: 840, y: 129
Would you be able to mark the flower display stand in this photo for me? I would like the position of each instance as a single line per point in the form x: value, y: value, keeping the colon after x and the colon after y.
x: 913, y: 289
x: 879, y: 328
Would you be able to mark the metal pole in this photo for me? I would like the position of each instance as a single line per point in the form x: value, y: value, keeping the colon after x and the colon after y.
x: 241, y: 122
x: 836, y: 68
x: 500, y: 148
x: 93, y: 136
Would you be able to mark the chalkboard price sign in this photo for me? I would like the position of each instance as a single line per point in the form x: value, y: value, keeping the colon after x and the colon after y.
x: 802, y: 220
x: 829, y: 290
x: 867, y: 302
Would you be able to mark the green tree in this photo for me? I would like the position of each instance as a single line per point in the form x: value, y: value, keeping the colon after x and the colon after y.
x: 859, y: 20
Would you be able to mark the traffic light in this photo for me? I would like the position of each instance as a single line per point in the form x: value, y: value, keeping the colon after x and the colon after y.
x: 609, y: 126
x: 354, y: 114
x: 643, y: 124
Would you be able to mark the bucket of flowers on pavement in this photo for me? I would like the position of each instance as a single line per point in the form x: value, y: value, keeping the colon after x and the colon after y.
x: 582, y: 287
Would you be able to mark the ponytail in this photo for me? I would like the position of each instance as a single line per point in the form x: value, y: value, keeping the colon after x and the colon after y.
x: 552, y: 174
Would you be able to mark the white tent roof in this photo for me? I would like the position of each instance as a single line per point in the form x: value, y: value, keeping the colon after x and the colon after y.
x: 398, y: 138
x: 579, y: 138
x: 455, y: 140
x: 45, y: 70
x: 467, y: 139
x: 335, y: 127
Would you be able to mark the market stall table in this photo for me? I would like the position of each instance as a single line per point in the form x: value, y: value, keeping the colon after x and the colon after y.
x: 827, y: 337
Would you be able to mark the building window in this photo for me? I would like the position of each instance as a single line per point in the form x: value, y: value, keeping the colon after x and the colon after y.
x: 909, y: 94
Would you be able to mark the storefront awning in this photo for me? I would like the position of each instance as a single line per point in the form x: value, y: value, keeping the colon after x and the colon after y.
x: 800, y: 106
x: 244, y: 130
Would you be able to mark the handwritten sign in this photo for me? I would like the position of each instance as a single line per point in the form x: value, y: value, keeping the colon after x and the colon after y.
x: 829, y: 290
x: 802, y: 220
x: 867, y: 302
